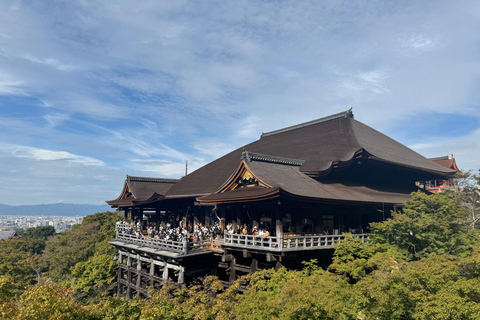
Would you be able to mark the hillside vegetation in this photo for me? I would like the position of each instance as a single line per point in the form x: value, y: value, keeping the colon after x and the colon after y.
x: 423, y: 263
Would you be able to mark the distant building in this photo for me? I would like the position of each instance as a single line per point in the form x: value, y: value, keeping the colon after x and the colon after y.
x: 442, y: 185
x: 4, y: 235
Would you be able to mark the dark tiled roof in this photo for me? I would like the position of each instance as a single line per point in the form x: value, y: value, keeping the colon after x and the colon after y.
x: 142, y: 189
x: 446, y: 161
x: 241, y: 195
x: 289, y: 179
x: 320, y: 143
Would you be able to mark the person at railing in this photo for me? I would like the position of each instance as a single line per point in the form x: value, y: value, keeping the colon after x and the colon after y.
x: 229, y: 228
x: 244, y: 229
x: 166, y: 232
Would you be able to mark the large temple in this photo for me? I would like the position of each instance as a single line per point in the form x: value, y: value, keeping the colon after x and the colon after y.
x: 278, y: 201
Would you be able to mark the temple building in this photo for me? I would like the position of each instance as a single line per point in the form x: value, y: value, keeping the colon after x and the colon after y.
x: 278, y: 201
x: 435, y: 186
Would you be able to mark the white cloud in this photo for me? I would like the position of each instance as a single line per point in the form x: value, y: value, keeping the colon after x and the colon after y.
x: 170, y: 81
x: 48, y: 155
x: 56, y: 119
x: 465, y: 149
x: 420, y: 43
x: 165, y: 168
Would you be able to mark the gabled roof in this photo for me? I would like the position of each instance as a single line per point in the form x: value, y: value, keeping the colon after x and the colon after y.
x: 446, y: 161
x: 322, y: 144
x: 281, y: 176
x: 140, y: 189
x: 7, y: 234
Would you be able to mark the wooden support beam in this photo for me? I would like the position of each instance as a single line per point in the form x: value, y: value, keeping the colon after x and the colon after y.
x: 271, y: 257
x: 278, y: 265
x: 254, y: 266
x: 152, y: 272
x: 165, y: 273
x: 233, y: 274
x: 181, y: 276
x: 129, y: 281
x: 227, y: 258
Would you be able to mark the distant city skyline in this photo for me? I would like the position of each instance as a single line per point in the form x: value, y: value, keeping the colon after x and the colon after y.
x: 93, y: 91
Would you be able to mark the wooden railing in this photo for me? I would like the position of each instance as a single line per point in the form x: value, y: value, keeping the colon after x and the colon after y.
x: 283, y: 244
x: 286, y: 243
x: 183, y: 247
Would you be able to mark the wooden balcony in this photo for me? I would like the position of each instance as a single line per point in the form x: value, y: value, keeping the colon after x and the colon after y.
x: 175, y: 247
x: 284, y: 243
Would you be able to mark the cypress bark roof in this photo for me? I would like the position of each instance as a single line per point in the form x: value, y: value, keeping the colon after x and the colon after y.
x: 286, y: 179
x: 138, y: 189
x: 320, y: 143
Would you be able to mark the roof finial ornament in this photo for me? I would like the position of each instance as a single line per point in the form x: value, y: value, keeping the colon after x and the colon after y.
x: 245, y: 155
x: 350, y: 112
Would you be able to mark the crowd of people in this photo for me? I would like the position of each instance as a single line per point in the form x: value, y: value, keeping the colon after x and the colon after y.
x: 166, y: 231
x: 200, y: 232
x: 262, y: 231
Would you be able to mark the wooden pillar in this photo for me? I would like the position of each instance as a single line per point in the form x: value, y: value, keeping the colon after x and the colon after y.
x: 181, y: 275
x: 233, y: 274
x: 208, y: 219
x: 223, y: 223
x: 165, y: 272
x: 185, y: 245
x: 278, y: 221
x: 129, y: 282
x: 255, y: 217
x: 254, y: 266
x: 119, y: 275
x: 139, y: 275
x: 140, y: 220
x: 152, y: 272
x: 239, y: 215
x: 195, y: 215
x: 278, y: 265
x: 233, y: 213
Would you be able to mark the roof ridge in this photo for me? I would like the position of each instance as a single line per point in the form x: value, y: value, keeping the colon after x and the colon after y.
x: 344, y: 114
x: 450, y: 156
x: 269, y: 158
x: 146, y: 179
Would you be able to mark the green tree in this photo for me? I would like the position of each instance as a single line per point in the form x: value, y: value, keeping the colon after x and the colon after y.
x: 20, y: 259
x: 65, y: 250
x: 39, y: 232
x: 45, y: 302
x: 356, y: 259
x: 427, y: 225
x: 470, y: 197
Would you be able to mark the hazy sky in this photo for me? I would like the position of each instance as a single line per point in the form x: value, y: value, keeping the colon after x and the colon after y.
x: 93, y: 90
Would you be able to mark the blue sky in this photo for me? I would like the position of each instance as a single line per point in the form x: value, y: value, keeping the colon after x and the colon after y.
x: 93, y: 90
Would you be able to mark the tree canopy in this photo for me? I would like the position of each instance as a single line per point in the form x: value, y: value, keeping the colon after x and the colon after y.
x: 422, y: 263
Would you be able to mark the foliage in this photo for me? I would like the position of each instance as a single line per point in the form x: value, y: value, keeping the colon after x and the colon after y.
x: 20, y: 259
x: 39, y: 232
x: 6, y: 289
x: 470, y: 197
x: 118, y: 309
x: 196, y: 302
x: 423, y: 263
x: 355, y: 259
x: 45, y: 302
x: 65, y: 250
x: 95, y: 274
x: 428, y: 225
